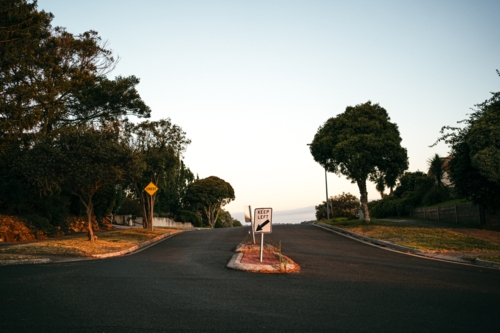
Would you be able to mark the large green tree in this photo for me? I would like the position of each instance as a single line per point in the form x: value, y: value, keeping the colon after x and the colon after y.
x: 361, y: 144
x: 80, y: 161
x: 157, y: 147
x: 210, y: 195
x: 51, y: 82
x: 475, y: 151
x: 50, y: 78
x: 171, y: 195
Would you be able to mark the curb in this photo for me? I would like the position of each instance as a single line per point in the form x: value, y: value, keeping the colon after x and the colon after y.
x: 135, y: 247
x: 235, y: 263
x: 94, y: 256
x: 405, y: 249
x: 486, y: 263
x: 24, y: 261
x: 396, y: 247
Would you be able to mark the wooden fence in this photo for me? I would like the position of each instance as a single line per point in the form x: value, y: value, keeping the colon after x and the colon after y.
x: 467, y: 214
x: 461, y: 214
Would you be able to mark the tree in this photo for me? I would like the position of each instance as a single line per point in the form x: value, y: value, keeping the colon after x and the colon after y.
x: 358, y: 144
x: 413, y: 186
x: 210, y: 195
x: 436, y: 170
x: 475, y: 154
x: 92, y: 159
x: 81, y: 161
x: 225, y: 220
x: 52, y: 81
x: 171, y: 195
x: 50, y: 78
x: 157, y: 147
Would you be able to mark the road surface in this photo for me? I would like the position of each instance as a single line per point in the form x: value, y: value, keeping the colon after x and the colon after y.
x: 182, y: 285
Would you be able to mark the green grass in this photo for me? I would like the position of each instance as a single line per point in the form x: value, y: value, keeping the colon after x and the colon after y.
x: 418, y: 237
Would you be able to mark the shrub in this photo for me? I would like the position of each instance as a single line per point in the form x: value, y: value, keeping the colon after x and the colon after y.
x: 389, y: 206
x: 189, y: 216
x: 343, y: 205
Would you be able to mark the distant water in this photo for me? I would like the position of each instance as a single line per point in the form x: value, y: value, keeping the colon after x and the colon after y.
x: 285, y: 216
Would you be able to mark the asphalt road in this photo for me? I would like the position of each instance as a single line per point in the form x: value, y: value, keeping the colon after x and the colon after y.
x: 182, y: 285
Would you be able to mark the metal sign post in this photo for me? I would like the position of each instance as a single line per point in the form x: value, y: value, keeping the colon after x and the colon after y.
x: 151, y: 190
x: 263, y: 222
x: 247, y: 210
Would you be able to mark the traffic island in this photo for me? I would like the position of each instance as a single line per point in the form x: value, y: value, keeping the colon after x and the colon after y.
x: 247, y: 258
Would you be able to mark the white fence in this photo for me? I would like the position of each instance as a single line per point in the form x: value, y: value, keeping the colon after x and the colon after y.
x: 157, y: 222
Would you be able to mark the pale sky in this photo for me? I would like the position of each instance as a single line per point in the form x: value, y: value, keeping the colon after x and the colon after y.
x: 251, y: 81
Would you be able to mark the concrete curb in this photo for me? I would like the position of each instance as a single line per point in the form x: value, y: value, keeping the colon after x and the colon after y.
x: 95, y: 256
x: 486, y: 263
x: 235, y: 263
x: 396, y: 247
x: 135, y: 247
x: 24, y: 261
x: 405, y: 249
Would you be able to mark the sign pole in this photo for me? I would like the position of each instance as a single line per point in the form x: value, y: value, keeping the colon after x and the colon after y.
x: 261, y: 245
x: 253, y: 233
x: 150, y: 189
x: 247, y: 210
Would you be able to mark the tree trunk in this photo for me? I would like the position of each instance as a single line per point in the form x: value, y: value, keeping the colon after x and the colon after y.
x: 364, y: 199
x: 90, y: 233
x: 89, y: 209
x: 208, y: 213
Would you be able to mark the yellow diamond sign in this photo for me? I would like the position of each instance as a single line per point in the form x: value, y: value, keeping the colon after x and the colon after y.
x: 151, y: 188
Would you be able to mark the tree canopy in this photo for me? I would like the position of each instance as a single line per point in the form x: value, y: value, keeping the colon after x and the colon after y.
x: 209, y: 194
x: 475, y: 154
x: 157, y: 147
x: 361, y: 144
x: 50, y: 78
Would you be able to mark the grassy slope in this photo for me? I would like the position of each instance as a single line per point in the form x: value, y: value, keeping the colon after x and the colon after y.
x: 111, y: 241
x: 420, y: 237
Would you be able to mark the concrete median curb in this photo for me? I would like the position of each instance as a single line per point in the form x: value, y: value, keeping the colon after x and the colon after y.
x: 235, y: 263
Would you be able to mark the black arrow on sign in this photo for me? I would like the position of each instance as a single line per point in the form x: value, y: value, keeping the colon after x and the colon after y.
x: 260, y: 226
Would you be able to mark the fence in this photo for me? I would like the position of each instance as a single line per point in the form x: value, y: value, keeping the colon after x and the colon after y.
x: 466, y: 213
x: 157, y: 222
x: 461, y: 214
